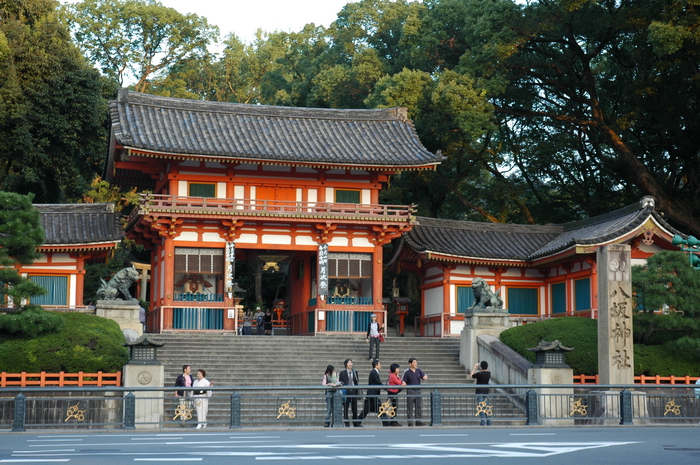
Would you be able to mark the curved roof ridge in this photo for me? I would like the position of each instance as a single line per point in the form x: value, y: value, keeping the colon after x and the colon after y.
x: 208, y: 106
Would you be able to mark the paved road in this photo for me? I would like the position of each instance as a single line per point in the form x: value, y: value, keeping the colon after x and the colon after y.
x: 573, y: 446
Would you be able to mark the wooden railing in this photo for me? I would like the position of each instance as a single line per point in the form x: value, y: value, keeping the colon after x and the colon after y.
x: 60, y: 379
x: 593, y: 379
x: 154, y: 203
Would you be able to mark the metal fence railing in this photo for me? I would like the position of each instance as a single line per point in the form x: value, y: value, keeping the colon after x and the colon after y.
x: 28, y: 408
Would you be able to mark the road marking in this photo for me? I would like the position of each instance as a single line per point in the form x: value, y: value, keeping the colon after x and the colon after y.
x: 33, y: 460
x: 197, y: 459
x: 353, y: 436
x: 441, y: 435
x: 533, y: 434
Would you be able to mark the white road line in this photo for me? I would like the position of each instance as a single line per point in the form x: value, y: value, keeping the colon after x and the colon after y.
x: 51, y: 440
x: 33, y: 460
x: 441, y: 435
x: 353, y: 436
x: 533, y: 434
x: 155, y: 439
x: 197, y: 459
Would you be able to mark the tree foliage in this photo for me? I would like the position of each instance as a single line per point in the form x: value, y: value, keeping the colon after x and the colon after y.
x: 138, y: 39
x: 667, y: 284
x: 20, y: 234
x: 52, y: 138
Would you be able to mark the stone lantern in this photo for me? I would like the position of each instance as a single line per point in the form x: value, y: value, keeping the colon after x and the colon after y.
x: 550, y: 355
x: 144, y: 370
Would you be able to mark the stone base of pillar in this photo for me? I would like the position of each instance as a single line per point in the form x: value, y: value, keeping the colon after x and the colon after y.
x: 477, y: 323
x: 124, y: 312
x: 149, y: 404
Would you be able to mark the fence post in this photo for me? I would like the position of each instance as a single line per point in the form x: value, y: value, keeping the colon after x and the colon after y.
x: 435, y: 408
x: 337, y: 420
x: 626, y: 407
x: 532, y: 408
x: 20, y: 409
x: 130, y: 411
x: 235, y: 410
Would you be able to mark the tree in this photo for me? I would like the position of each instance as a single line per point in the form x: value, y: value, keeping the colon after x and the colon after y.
x: 667, y: 281
x: 20, y: 233
x: 138, y: 39
x: 599, y: 98
x: 52, y: 112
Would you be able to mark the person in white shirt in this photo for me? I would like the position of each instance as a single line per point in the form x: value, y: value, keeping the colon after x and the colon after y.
x: 373, y: 337
x: 201, y: 398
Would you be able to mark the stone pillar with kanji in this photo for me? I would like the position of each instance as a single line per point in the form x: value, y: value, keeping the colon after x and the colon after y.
x: 615, y: 347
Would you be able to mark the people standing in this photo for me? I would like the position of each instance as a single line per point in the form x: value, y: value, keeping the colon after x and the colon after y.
x: 258, y: 318
x: 373, y: 336
x: 394, y: 380
x: 201, y: 398
x: 330, y: 379
x: 183, y: 380
x: 349, y: 378
x: 247, y: 322
x: 372, y: 400
x: 267, y: 321
x: 482, y: 376
x: 414, y: 402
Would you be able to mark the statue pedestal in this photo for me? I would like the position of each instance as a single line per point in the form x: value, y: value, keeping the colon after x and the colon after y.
x: 554, y: 404
x: 491, y: 321
x: 124, y: 312
x: 149, y: 404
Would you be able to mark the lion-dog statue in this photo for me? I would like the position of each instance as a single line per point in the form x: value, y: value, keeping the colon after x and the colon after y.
x: 484, y: 297
x: 119, y: 284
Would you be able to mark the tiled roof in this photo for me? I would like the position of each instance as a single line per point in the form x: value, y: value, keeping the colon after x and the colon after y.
x: 472, y: 239
x: 495, y: 241
x: 79, y: 223
x: 268, y: 133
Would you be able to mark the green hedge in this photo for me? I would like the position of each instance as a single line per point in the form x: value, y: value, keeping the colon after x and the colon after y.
x: 86, y: 343
x: 582, y: 335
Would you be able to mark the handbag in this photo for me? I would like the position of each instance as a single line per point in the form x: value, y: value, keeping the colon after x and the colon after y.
x: 381, y: 337
x: 344, y: 392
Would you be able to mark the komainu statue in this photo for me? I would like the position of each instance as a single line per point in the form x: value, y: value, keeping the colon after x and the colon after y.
x: 119, y: 284
x: 484, y: 297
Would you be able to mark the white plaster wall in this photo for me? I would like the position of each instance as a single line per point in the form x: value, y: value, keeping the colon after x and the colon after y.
x: 276, y: 239
x: 481, y: 271
x: 366, y: 196
x: 63, y: 258
x: 330, y: 194
x: 305, y: 240
x: 212, y: 237
x: 512, y: 272
x: 73, y: 290
x: 433, y: 301
x: 220, y: 190
x: 239, y: 192
x: 312, y: 195
x: 533, y: 274
x: 181, y: 188
x: 433, y: 272
x: 453, y: 299
x: 247, y: 239
x: 339, y: 241
x: 46, y: 269
x: 361, y: 242
x: 187, y: 236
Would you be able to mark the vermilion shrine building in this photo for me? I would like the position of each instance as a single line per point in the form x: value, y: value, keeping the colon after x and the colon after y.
x: 296, y: 188
x: 76, y: 234
x: 539, y: 271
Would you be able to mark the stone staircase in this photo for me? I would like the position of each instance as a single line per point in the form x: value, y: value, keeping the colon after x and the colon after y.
x: 231, y: 360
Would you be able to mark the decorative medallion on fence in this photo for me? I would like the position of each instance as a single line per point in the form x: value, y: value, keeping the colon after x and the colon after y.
x: 673, y: 408
x: 483, y: 407
x: 386, y: 410
x: 579, y: 408
x: 75, y: 412
x: 286, y: 410
x: 183, y: 412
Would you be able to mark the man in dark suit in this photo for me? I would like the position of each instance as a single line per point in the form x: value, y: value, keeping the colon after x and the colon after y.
x: 372, y: 400
x: 350, y: 378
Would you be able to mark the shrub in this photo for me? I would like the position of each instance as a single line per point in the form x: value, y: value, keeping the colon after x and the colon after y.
x: 579, y: 333
x: 30, y: 322
x: 678, y: 357
x: 85, y: 343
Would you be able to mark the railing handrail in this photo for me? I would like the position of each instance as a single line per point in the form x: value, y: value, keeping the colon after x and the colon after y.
x: 641, y: 379
x: 426, y: 388
x: 214, y: 205
x: 60, y: 379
